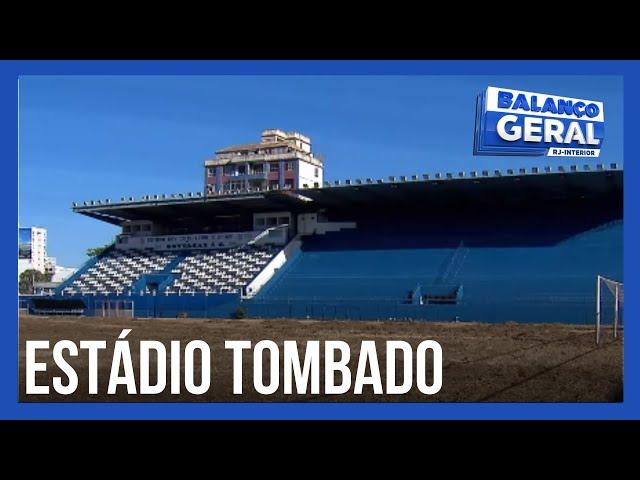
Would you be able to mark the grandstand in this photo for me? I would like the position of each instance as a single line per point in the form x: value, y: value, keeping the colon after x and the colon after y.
x: 520, y: 245
x: 446, y: 275
x: 514, y: 245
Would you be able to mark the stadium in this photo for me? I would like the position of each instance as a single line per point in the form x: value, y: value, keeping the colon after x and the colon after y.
x: 507, y: 269
x: 267, y: 237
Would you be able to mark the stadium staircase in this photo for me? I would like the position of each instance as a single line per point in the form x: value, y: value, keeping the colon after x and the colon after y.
x: 152, y: 283
x: 451, y: 268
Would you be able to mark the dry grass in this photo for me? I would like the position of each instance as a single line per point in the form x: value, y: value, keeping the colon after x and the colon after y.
x: 482, y: 362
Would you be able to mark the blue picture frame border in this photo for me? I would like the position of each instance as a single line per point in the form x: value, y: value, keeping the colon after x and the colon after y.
x: 10, y: 408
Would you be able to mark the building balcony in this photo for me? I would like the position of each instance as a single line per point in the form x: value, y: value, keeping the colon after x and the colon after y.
x: 247, y: 176
x: 225, y: 158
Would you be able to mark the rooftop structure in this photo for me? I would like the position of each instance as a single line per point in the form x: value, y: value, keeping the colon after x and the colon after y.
x: 282, y: 160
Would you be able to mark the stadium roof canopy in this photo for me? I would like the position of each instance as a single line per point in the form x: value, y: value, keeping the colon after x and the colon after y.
x: 487, y: 188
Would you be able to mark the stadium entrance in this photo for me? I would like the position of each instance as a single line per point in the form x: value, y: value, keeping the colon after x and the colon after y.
x: 114, y: 308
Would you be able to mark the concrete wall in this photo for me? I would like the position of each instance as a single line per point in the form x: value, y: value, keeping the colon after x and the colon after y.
x: 306, y: 175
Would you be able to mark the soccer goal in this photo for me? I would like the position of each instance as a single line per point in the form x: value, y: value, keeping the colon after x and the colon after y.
x: 609, y: 304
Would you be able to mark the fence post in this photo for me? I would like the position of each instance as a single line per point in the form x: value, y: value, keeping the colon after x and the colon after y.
x: 597, y: 309
x: 615, y: 318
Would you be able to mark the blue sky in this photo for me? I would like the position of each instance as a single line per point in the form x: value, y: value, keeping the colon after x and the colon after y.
x: 85, y: 137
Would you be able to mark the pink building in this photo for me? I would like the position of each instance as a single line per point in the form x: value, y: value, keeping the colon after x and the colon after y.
x: 282, y: 160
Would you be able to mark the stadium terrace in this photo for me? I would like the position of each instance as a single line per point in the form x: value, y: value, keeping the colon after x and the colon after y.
x: 268, y: 237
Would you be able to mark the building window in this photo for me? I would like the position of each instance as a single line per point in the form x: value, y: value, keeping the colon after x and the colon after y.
x: 211, y: 172
x: 241, y: 170
x: 288, y: 183
x: 228, y: 170
x: 315, y: 172
x: 288, y: 166
x: 258, y: 168
x: 274, y: 167
x: 273, y: 184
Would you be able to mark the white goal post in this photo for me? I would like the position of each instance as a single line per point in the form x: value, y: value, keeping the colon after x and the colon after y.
x: 615, y: 291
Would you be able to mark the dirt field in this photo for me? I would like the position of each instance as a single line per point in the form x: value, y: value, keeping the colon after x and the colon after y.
x: 481, y: 362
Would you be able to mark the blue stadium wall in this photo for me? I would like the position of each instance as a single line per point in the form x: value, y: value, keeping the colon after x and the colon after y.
x: 154, y: 306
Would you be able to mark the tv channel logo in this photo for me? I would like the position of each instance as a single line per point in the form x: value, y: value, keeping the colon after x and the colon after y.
x: 517, y: 122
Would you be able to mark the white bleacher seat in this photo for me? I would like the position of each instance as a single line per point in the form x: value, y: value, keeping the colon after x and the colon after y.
x: 220, y: 271
x: 116, y: 271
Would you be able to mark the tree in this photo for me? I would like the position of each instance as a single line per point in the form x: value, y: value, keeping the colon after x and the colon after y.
x: 29, y: 277
x: 95, y: 251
